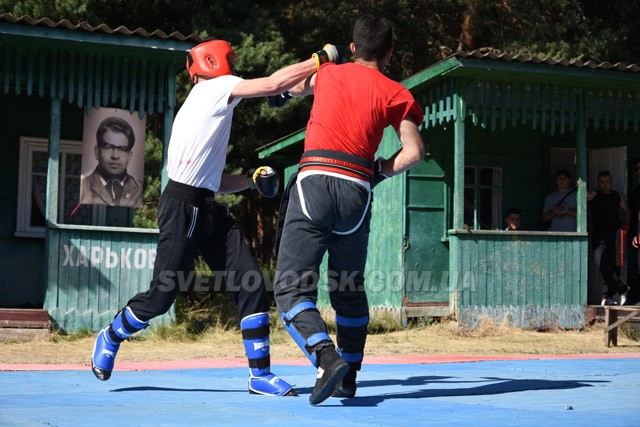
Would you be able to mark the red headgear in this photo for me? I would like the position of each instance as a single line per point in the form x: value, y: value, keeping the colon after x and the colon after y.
x: 211, y: 59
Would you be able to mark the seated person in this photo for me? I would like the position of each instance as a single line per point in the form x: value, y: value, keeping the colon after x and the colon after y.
x: 512, y: 219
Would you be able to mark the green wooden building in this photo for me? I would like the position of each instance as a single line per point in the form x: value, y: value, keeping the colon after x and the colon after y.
x: 83, y: 267
x: 498, y: 128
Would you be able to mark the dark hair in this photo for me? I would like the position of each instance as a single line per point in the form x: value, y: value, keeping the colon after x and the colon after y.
x: 515, y: 211
x: 373, y: 37
x: 563, y: 172
x: 117, y: 125
x: 604, y: 173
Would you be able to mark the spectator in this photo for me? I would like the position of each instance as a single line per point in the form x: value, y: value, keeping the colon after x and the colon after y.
x: 560, y: 206
x: 512, y: 219
x: 606, y: 207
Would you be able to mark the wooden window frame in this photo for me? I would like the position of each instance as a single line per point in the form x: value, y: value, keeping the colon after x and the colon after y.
x: 28, y: 145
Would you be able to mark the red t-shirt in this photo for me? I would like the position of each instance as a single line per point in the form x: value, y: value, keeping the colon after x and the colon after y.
x: 353, y: 105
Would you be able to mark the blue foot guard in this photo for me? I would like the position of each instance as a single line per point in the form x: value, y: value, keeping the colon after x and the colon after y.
x: 255, y: 334
x: 108, y: 342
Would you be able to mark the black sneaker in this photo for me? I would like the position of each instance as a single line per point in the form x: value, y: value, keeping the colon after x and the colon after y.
x: 331, y: 371
x: 346, y: 388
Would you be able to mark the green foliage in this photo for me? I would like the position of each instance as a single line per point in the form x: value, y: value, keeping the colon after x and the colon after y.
x: 147, y: 215
x: 422, y: 27
x: 568, y: 29
x: 55, y: 9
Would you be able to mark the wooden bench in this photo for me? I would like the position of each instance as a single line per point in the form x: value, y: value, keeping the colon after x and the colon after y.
x: 611, y: 321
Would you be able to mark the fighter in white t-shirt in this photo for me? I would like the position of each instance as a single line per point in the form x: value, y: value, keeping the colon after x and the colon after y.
x: 200, y: 136
x: 192, y: 223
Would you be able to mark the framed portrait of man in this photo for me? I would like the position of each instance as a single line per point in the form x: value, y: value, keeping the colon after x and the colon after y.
x: 112, y: 158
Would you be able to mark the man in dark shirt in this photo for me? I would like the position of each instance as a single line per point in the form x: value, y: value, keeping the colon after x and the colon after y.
x: 606, y: 206
x: 633, y: 296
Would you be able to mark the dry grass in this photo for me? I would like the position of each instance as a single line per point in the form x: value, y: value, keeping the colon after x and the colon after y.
x: 177, y: 343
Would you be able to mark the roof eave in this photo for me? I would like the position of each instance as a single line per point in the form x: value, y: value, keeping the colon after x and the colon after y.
x: 431, y: 74
x: 544, y: 73
x: 88, y: 41
x: 267, y: 150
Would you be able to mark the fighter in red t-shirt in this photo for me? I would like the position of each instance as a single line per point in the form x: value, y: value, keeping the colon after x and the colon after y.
x: 369, y: 102
x: 329, y: 207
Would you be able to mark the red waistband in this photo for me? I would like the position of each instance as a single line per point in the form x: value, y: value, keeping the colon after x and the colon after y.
x: 341, y: 167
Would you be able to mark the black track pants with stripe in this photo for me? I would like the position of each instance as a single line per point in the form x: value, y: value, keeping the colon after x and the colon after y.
x: 189, y: 228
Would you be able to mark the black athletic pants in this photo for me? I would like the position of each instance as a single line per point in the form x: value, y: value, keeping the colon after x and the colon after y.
x: 325, y: 214
x: 604, y: 254
x: 191, y: 222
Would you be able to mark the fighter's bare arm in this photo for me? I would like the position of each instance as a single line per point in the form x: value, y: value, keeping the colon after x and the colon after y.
x: 280, y: 81
x: 412, y: 151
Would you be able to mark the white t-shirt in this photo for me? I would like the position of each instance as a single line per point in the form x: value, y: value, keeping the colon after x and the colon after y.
x: 200, y: 134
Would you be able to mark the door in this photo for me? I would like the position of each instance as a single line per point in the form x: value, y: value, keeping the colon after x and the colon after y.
x: 614, y: 160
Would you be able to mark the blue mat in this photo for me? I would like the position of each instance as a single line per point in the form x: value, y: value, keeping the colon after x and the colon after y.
x: 567, y: 392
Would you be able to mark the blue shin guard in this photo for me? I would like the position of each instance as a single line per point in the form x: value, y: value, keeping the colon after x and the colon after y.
x: 108, y: 342
x: 255, y: 334
x: 352, y: 334
x: 307, y: 346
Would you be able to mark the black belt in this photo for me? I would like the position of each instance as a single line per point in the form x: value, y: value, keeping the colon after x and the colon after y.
x: 187, y: 193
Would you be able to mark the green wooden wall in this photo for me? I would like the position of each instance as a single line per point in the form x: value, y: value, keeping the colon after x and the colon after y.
x: 426, y: 256
x: 94, y: 271
x: 530, y: 279
x: 22, y: 259
x: 524, y: 156
x: 519, y: 151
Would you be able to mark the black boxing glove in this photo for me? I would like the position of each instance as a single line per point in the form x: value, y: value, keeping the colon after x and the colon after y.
x: 265, y: 180
x: 378, y: 176
x: 277, y: 101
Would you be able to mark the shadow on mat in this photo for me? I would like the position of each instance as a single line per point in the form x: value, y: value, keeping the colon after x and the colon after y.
x: 479, y: 387
x: 200, y: 390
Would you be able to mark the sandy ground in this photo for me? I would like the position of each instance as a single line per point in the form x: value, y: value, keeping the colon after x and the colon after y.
x: 445, y: 338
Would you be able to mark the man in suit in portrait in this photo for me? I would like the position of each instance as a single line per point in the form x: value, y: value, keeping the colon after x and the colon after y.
x: 110, y: 184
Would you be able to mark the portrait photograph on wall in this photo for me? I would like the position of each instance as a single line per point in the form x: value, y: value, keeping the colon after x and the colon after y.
x: 112, y: 158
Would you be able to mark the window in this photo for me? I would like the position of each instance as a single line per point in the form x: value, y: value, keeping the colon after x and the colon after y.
x: 32, y: 188
x: 483, y: 197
